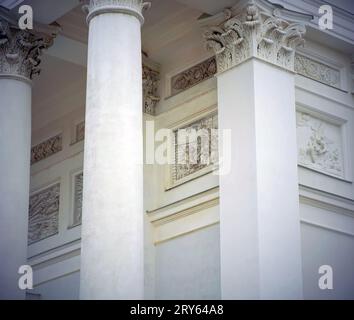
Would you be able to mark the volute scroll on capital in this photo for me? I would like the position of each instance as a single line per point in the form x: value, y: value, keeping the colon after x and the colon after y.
x: 21, y: 50
x: 255, y: 29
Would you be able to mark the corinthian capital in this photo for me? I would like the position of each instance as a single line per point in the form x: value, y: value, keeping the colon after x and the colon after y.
x: 133, y: 7
x: 255, y: 29
x: 21, y: 50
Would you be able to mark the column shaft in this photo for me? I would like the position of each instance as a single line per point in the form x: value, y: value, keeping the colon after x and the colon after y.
x: 15, y: 142
x: 112, y: 229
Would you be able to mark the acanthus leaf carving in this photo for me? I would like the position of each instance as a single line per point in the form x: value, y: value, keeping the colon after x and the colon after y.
x: 21, y: 50
x: 253, y: 31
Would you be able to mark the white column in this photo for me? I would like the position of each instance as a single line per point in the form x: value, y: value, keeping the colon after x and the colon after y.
x: 19, y: 58
x: 15, y: 142
x: 112, y: 225
x: 259, y: 199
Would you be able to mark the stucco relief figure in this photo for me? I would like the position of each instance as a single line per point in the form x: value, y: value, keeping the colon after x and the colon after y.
x: 319, y: 144
x: 199, y: 150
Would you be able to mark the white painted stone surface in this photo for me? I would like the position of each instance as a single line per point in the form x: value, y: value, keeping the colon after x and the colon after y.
x: 56, y: 113
x: 112, y: 223
x: 188, y: 267
x: 259, y: 211
x: 15, y: 142
x: 327, y: 238
x: 63, y: 288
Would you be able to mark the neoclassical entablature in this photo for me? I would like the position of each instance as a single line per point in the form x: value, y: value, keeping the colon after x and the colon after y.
x: 21, y: 50
x: 255, y: 29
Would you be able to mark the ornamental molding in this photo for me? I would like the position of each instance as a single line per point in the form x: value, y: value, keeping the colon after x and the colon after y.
x: 194, y: 75
x: 44, y: 214
x: 46, y: 148
x: 318, y: 71
x: 132, y: 7
x: 254, y: 29
x: 21, y: 50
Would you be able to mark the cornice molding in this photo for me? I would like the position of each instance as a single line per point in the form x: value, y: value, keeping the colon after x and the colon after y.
x: 255, y: 29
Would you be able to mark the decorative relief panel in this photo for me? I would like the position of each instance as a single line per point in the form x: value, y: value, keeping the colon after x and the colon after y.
x: 198, y: 151
x: 78, y: 189
x: 193, y: 75
x: 319, y: 144
x: 317, y: 71
x: 151, y: 80
x: 80, y: 131
x: 43, y: 214
x: 46, y: 148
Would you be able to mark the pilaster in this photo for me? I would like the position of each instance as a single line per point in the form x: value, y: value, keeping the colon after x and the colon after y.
x: 254, y: 43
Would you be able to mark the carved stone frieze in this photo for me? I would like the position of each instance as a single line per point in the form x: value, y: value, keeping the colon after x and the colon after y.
x: 319, y: 144
x: 194, y: 75
x: 151, y: 80
x: 80, y: 131
x: 317, y: 71
x: 21, y: 50
x: 43, y: 214
x: 78, y: 192
x: 46, y: 148
x: 258, y: 29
